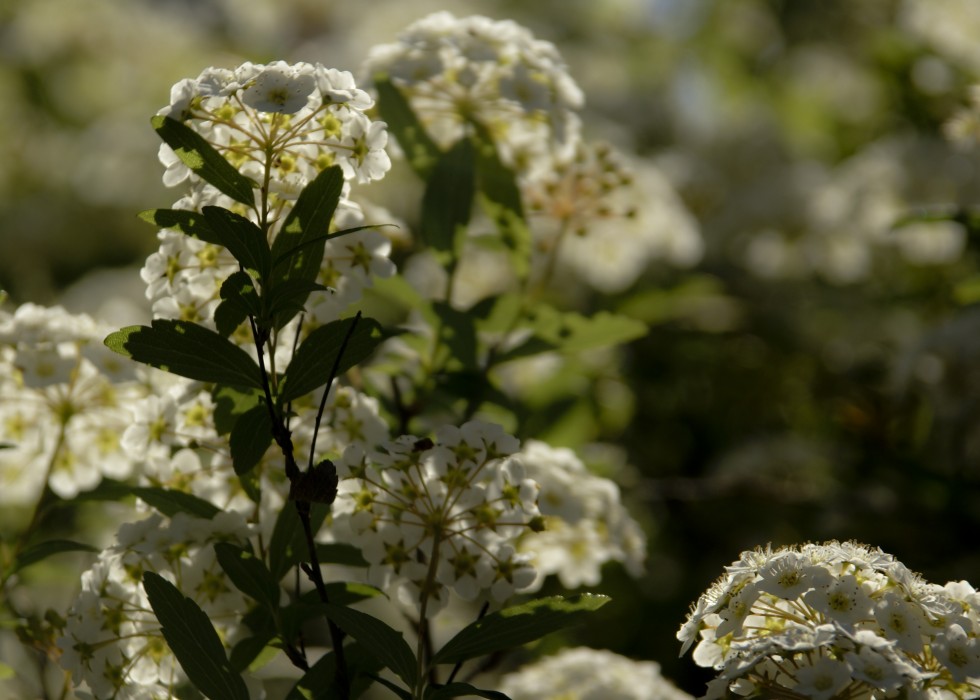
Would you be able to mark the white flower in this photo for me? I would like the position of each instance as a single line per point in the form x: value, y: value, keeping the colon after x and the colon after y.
x: 822, y: 679
x: 280, y: 88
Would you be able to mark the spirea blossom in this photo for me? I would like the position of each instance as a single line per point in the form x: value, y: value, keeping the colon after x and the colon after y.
x: 586, y: 524
x: 112, y: 641
x: 833, y: 621
x: 280, y: 125
x: 589, y: 674
x: 434, y: 515
x: 64, y: 401
x: 494, y: 73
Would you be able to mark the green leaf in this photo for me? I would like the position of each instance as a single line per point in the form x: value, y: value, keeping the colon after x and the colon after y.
x: 170, y: 502
x: 385, y: 643
x: 400, y: 692
x: 231, y: 403
x: 313, y: 362
x: 248, y: 573
x: 448, y: 200
x: 567, y: 331
x: 250, y: 438
x: 240, y: 299
x: 193, y: 641
x: 459, y: 690
x: 242, y: 238
x: 198, y: 155
x: 340, y: 553
x: 420, y: 150
x: 247, y: 650
x: 297, y: 252
x: 187, y: 349
x: 318, y: 682
x: 43, y: 550
x: 457, y: 334
x: 287, y: 547
x: 514, y: 626
x: 501, y: 200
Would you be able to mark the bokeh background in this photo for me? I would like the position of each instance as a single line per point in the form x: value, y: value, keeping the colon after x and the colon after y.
x: 815, y: 376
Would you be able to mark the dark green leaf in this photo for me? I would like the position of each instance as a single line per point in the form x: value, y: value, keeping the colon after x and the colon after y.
x: 457, y: 334
x: 420, y: 150
x: 501, y: 199
x: 340, y: 553
x: 567, y: 331
x: 400, y: 692
x: 318, y: 682
x: 250, y: 438
x: 448, y: 200
x: 317, y: 484
x: 170, y: 502
x: 287, y: 546
x: 188, y: 222
x: 198, y: 155
x: 297, y: 251
x: 248, y: 649
x: 187, y: 349
x: 240, y: 299
x: 193, y: 641
x: 459, y: 690
x: 314, y: 359
x: 43, y: 550
x: 248, y: 573
x: 242, y: 238
x: 230, y: 404
x: 386, y: 644
x: 514, y: 626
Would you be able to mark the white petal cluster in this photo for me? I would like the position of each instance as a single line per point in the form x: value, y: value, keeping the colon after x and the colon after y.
x: 437, y: 515
x: 280, y: 125
x: 607, y: 219
x: 112, y: 642
x: 589, y: 674
x: 835, y: 620
x: 64, y: 401
x: 494, y: 73
x: 586, y: 524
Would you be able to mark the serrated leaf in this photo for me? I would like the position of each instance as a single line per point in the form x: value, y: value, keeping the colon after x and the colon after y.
x: 385, y: 643
x: 297, y: 251
x: 193, y: 640
x: 459, y: 690
x: 318, y: 682
x: 313, y: 362
x: 287, y: 547
x: 419, y: 148
x: 250, y: 438
x: 43, y: 550
x: 187, y: 349
x: 198, y: 155
x: 248, y: 573
x: 240, y: 299
x: 231, y: 403
x: 448, y: 200
x: 340, y: 553
x: 241, y: 237
x: 567, y: 331
x: 457, y: 334
x: 514, y: 626
x: 170, y: 501
x: 501, y: 200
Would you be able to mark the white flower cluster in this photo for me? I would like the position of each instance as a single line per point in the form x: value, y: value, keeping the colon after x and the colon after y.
x: 586, y: 524
x: 589, y: 674
x: 495, y: 73
x: 112, y: 643
x: 430, y: 516
x: 64, y: 401
x: 833, y: 621
x: 607, y: 219
x: 280, y: 125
